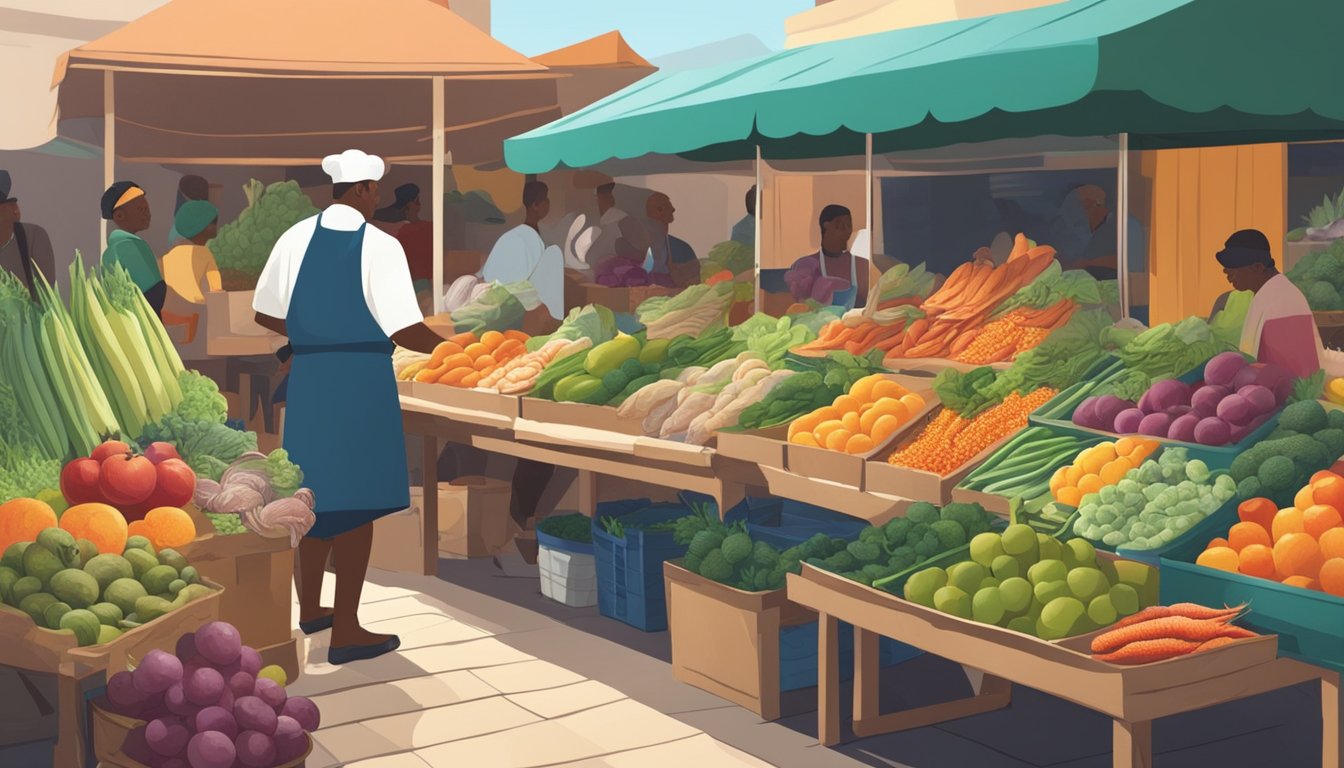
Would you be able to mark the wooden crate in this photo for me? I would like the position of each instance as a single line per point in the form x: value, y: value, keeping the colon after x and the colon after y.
x: 880, y: 476
x: 256, y: 573
x: 483, y: 400
x: 992, y: 502
x: 726, y: 641
x: 763, y: 447
x: 579, y: 415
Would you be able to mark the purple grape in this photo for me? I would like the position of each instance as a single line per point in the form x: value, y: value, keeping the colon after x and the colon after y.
x: 175, y: 701
x: 226, y: 700
x: 175, y: 762
x: 242, y: 684
x: 211, y: 749
x: 186, y: 647
x: 250, y: 660
x: 166, y: 736
x: 219, y: 642
x: 290, y: 740
x: 270, y: 692
x: 204, y: 687
x: 303, y: 710
x: 122, y: 694
x: 253, y: 714
x: 216, y: 719
x: 255, y: 750
x: 157, y: 671
x: 136, y: 747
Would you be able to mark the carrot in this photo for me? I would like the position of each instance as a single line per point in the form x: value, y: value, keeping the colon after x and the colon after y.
x: 1148, y: 651
x: 1178, y: 627
x: 429, y: 375
x: 1188, y: 610
x: 1020, y: 247
x: 917, y: 329
x: 1041, y: 250
x: 517, y: 336
x: 963, y: 341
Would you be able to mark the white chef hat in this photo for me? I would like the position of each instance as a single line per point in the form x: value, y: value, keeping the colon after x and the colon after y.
x: 352, y: 166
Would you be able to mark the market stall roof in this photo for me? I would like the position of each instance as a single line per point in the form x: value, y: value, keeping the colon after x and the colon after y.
x: 1169, y: 72
x: 608, y: 50
x: 260, y: 82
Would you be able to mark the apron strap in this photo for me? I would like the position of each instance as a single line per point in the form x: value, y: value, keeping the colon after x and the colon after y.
x: 21, y: 240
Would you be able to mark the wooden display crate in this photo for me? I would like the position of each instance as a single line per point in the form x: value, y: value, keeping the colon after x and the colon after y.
x: 763, y: 447
x: 880, y: 476
x: 482, y: 400
x: 992, y: 502
x: 579, y: 415
x: 256, y: 573
x: 726, y: 641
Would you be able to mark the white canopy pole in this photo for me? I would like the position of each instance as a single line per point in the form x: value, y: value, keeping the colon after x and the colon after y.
x: 109, y: 151
x: 1122, y: 226
x: 436, y: 192
x: 756, y: 295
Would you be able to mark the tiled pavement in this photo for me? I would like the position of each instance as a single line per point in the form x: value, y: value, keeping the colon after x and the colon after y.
x: 492, y: 675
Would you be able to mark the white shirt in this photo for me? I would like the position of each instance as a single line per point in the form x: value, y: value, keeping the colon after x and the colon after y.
x: 387, y: 278
x: 520, y: 254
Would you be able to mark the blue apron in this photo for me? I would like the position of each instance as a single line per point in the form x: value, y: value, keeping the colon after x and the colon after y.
x: 848, y: 296
x: 343, y: 419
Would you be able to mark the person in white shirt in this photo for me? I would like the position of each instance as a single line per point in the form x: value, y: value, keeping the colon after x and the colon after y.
x: 341, y: 291
x: 620, y: 234
x: 520, y: 254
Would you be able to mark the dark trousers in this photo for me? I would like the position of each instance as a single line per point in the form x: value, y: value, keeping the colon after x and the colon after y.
x: 156, y: 296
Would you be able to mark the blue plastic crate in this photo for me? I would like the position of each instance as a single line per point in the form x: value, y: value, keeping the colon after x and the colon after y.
x: 798, y: 655
x: 785, y: 523
x: 630, y: 586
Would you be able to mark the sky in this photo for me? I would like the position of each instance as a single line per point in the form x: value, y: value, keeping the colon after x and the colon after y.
x: 652, y: 27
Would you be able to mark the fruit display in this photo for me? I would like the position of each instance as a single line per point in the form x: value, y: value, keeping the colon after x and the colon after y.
x: 1300, y: 545
x: 925, y: 533
x: 1035, y: 584
x: 211, y: 704
x: 1233, y: 399
x: 241, y: 247
x: 465, y: 359
x: 1022, y: 468
x: 1168, y: 631
x: 118, y: 475
x: 1307, y: 440
x: 819, y: 382
x: 950, y: 440
x: 1334, y: 391
x: 1102, y: 465
x: 1154, y: 503
x: 67, y: 585
x: 261, y: 492
x: 860, y: 420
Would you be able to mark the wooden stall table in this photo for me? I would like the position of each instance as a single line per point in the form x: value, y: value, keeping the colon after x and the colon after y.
x: 1133, y: 697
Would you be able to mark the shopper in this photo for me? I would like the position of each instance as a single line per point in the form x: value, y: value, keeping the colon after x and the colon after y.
x: 670, y: 255
x: 341, y: 291
x: 1279, y: 328
x: 520, y: 254
x: 190, y: 188
x: 744, y: 231
x: 190, y: 266
x: 834, y: 259
x: 25, y: 249
x: 125, y: 204
x: 619, y: 234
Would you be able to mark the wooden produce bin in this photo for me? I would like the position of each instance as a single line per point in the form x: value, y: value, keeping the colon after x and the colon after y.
x: 880, y: 476
x: 726, y: 641
x: 992, y: 502
x: 579, y: 415
x: 109, y: 739
x: 762, y: 447
x: 481, y: 400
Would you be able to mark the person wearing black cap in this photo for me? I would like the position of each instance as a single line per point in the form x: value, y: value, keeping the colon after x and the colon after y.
x: 416, y: 236
x: 124, y: 203
x: 25, y: 249
x: 1279, y: 326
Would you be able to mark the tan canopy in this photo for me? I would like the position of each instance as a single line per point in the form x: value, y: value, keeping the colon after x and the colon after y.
x: 606, y: 50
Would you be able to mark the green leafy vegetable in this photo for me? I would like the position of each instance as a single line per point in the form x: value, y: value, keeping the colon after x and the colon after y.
x: 201, y: 400
x: 577, y: 528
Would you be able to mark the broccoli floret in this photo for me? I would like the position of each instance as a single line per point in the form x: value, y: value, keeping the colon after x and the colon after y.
x: 715, y: 567
x: 1307, y: 416
x: 736, y: 548
x: 1249, y: 488
x: 1333, y: 440
x: 692, y: 562
x: 917, y: 532
x: 1323, y: 297
x: 1248, y: 463
x: 928, y: 546
x: 764, y: 556
x: 1279, y: 434
x: 841, y: 561
x: 897, y: 530
x: 875, y: 571
x: 815, y: 546
x: 971, y: 517
x: 765, y: 580
x: 1303, y: 450
x: 922, y: 512
x: 1277, y: 474
x: 704, y: 542
x: 864, y: 551
x: 950, y: 534
x: 902, y: 552
x: 1335, y: 418
x: 873, y: 535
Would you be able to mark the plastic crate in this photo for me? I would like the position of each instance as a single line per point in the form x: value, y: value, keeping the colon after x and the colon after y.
x: 568, y: 571
x: 630, y: 586
x: 798, y: 655
x: 784, y: 523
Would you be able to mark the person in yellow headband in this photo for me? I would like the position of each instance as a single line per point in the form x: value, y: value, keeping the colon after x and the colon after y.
x: 125, y: 204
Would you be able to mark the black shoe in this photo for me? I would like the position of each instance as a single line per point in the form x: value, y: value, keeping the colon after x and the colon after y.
x: 316, y: 625
x: 351, y: 653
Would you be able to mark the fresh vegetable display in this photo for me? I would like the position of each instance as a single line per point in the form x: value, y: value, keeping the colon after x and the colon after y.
x: 1168, y: 631
x: 818, y: 383
x: 693, y: 311
x: 261, y: 492
x: 519, y: 375
x: 1323, y: 221
x: 68, y: 584
x: 578, y: 528
x: 926, y: 532
x: 1307, y: 439
x: 1104, y: 464
x: 700, y: 401
x: 500, y: 307
x: 771, y: 337
x: 241, y: 247
x: 133, y: 482
x: 730, y: 256
x: 595, y: 323
x: 727, y: 554
x: 861, y: 420
x: 1055, y: 285
x: 1154, y: 503
x: 1004, y: 339
x: 1233, y: 399
x: 950, y: 440
x: 211, y: 704
x: 1319, y: 278
x: 465, y: 359
x: 1300, y: 546
x: 1035, y: 584
x: 1022, y: 468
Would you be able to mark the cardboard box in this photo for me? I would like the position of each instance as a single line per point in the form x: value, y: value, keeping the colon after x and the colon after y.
x: 398, y: 542
x: 473, y: 515
x: 917, y: 484
x: 726, y: 641
x: 992, y: 502
x: 763, y: 447
x: 257, y: 574
x: 579, y: 415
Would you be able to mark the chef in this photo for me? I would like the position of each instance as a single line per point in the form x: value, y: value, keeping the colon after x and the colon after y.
x: 341, y: 291
x: 520, y: 254
x: 1279, y: 326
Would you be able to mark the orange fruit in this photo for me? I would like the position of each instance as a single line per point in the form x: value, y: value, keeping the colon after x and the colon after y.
x: 859, y: 444
x: 1304, y: 498
x: 885, y: 426
x: 1301, y: 582
x: 1069, y: 495
x: 888, y: 388
x: 492, y: 339
x: 804, y: 424
x: 1057, y: 480
x: 140, y: 528
x: 1328, y: 490
x: 1218, y: 542
x: 826, y: 413
x: 1114, y: 471
x: 1222, y: 558
x: 913, y: 403
x: 851, y: 421
x: 1126, y: 445
x: 1324, y: 473
x: 1144, y: 449
x: 1257, y: 560
x: 485, y: 361
x: 1243, y: 535
x: 1297, y: 554
x: 1093, y: 462
x: 804, y: 438
x: 837, y: 439
x: 1074, y: 474
x: 825, y: 428
x: 1332, y: 577
x: 1332, y: 543
x: 1260, y: 511
x: 470, y: 380
x: 475, y: 350
x: 846, y: 404
x: 1287, y: 520
x: 99, y: 523
x: 23, y: 519
x: 1107, y: 452
x: 1089, y: 484
x: 169, y: 527
x: 1319, y: 518
x: 863, y: 388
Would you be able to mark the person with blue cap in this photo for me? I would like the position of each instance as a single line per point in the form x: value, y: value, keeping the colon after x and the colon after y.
x: 125, y: 204
x: 341, y: 291
x: 25, y: 249
x: 191, y: 265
